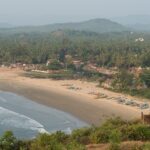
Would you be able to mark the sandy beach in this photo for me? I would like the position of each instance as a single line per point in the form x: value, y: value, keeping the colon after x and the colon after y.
x: 79, y: 102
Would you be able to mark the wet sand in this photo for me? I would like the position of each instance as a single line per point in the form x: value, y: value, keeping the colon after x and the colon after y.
x: 77, y: 103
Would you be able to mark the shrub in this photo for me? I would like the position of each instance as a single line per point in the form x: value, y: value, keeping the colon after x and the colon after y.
x: 8, y: 141
x: 146, y: 146
x: 123, y: 80
x: 100, y: 135
x: 75, y: 146
x: 115, y: 140
x: 47, y: 142
x: 81, y: 135
x: 145, y: 77
x: 138, y: 132
x: 115, y: 137
x: 55, y: 65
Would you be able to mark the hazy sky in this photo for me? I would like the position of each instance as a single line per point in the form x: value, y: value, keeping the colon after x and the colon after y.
x: 23, y: 12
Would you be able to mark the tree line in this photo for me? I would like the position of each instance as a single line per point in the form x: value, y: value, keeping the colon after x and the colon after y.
x: 108, y: 50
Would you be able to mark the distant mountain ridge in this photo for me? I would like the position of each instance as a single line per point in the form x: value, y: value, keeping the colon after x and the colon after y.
x: 94, y: 25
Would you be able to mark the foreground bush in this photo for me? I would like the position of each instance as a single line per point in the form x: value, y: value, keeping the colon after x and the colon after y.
x: 113, y: 131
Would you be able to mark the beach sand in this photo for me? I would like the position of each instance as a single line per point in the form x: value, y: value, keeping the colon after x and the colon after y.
x: 56, y: 94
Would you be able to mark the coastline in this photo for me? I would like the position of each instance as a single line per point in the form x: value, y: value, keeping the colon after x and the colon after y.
x: 78, y: 103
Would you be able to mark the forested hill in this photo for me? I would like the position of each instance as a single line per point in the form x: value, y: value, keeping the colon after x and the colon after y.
x: 94, y: 25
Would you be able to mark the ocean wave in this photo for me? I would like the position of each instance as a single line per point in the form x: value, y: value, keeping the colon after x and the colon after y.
x: 10, y: 118
x: 68, y: 130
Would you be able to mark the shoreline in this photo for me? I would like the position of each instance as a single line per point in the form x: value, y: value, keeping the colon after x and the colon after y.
x: 56, y: 94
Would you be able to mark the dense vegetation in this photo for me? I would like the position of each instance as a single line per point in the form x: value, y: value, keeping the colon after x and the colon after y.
x: 114, y: 131
x: 111, y: 49
x: 134, y: 84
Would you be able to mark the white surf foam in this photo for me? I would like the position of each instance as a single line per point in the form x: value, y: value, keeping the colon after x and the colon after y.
x: 68, y: 131
x: 13, y: 119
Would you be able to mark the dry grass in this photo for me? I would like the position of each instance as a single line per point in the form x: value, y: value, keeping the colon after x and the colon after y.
x: 129, y: 145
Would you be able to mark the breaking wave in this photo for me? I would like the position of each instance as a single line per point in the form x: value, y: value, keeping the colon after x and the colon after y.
x: 10, y: 118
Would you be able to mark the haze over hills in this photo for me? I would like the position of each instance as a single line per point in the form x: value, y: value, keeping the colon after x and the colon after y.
x: 119, y: 24
x: 5, y: 25
x: 133, y: 19
x: 137, y: 22
x: 94, y: 25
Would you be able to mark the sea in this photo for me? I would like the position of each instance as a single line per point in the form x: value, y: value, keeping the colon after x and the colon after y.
x: 26, y: 118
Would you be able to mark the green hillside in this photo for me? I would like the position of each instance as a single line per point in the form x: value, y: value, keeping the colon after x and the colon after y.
x: 95, y: 25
